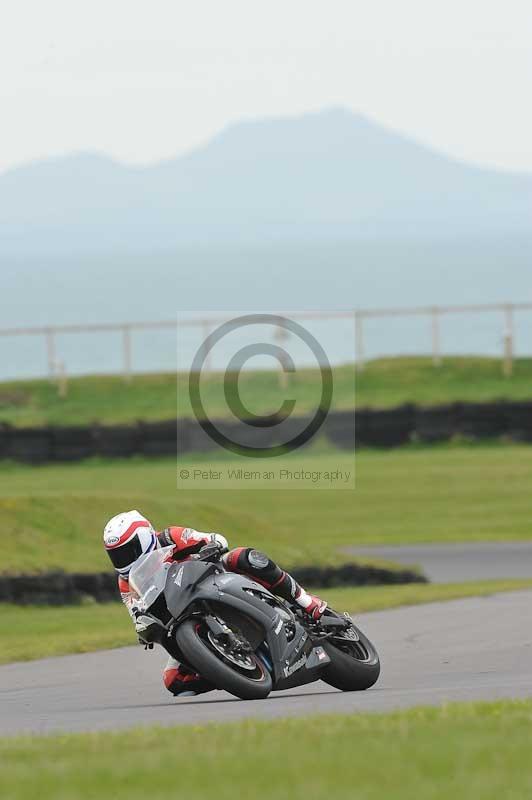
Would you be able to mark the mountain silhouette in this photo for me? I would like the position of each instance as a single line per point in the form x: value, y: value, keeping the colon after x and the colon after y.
x: 328, y: 176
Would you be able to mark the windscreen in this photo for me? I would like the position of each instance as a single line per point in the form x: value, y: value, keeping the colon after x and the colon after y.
x: 148, y: 576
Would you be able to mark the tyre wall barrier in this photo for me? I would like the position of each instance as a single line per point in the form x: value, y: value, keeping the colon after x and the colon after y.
x: 368, y: 428
x: 63, y: 588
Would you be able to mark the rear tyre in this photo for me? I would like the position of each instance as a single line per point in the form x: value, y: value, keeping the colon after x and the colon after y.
x: 354, y: 663
x: 240, y: 673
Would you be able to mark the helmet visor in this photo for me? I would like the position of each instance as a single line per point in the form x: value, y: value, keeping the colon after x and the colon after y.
x: 124, y: 556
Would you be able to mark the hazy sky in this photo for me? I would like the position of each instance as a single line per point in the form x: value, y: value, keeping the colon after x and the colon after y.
x: 146, y: 80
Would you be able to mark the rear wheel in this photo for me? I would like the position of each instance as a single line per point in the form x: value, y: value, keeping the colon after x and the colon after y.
x: 354, y: 663
x: 228, y: 662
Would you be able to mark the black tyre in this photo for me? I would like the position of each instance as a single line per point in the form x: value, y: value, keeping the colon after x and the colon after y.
x: 242, y: 674
x: 354, y: 663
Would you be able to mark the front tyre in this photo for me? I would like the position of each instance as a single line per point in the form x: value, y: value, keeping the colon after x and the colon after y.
x: 238, y: 670
x: 354, y: 663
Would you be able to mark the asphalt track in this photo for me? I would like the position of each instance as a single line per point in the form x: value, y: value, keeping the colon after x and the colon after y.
x: 472, y: 649
x: 449, y: 563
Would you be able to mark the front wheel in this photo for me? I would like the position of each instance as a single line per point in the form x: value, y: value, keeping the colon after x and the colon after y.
x: 355, y: 664
x: 229, y: 664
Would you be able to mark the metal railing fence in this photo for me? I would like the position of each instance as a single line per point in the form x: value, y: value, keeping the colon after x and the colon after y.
x: 358, y: 316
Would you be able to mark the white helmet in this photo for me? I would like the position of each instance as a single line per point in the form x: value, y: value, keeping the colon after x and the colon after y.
x: 126, y: 537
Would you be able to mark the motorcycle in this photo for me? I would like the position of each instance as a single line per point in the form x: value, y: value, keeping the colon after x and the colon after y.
x: 242, y: 638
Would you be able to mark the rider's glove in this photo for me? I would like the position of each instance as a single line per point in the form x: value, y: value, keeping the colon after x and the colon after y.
x: 212, y: 551
x: 221, y: 540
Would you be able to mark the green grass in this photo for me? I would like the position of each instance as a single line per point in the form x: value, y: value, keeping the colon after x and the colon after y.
x: 52, y: 516
x: 359, y: 600
x: 32, y: 632
x: 384, y: 383
x: 476, y: 751
x: 94, y: 626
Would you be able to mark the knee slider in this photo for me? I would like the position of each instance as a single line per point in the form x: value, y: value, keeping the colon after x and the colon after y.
x: 258, y: 560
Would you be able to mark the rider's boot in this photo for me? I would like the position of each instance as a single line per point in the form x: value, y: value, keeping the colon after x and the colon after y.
x: 311, y: 605
x: 182, y: 682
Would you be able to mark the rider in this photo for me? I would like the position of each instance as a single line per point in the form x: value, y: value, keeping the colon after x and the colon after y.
x: 129, y: 535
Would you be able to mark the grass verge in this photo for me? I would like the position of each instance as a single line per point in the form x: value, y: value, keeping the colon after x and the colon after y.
x: 476, y: 750
x: 81, y: 629
x: 376, y: 598
x: 385, y: 382
x: 52, y: 516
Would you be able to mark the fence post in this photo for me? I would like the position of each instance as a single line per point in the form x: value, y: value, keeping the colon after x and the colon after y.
x: 281, y: 335
x: 436, y: 353
x: 50, y: 350
x: 206, y: 332
x: 62, y: 380
x: 508, y: 340
x: 359, y: 341
x: 126, y: 348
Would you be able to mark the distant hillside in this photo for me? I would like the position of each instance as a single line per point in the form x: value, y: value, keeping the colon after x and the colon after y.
x: 323, y: 176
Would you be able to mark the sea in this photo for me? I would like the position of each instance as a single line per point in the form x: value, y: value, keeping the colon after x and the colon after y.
x: 211, y: 282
